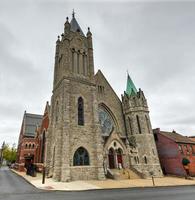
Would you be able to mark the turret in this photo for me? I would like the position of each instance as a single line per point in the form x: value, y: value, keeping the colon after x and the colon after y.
x: 138, y: 125
x: 56, y: 60
x: 66, y: 27
x: 90, y: 51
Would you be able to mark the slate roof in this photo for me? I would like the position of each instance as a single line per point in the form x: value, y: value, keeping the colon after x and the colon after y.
x: 74, y: 26
x: 31, y: 122
x: 177, y: 137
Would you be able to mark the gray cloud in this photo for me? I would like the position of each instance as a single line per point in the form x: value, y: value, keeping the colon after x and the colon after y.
x: 153, y: 41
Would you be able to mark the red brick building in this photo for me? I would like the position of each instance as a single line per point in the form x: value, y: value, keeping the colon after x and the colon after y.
x: 41, y: 139
x: 27, y: 142
x: 172, y: 148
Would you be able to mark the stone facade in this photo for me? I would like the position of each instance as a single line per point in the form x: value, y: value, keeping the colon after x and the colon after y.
x: 88, y: 127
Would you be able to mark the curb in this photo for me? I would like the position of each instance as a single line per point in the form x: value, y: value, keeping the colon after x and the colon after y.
x: 84, y: 190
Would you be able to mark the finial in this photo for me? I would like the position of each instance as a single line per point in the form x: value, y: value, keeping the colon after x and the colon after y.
x: 67, y: 19
x: 58, y: 37
x: 73, y: 13
x: 89, y: 32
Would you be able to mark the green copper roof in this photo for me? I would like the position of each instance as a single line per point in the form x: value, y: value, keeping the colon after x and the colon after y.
x: 130, y: 89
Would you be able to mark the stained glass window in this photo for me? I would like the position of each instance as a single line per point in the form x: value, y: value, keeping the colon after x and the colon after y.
x: 81, y: 157
x: 80, y: 111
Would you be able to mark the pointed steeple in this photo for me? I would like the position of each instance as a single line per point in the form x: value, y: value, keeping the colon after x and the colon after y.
x: 74, y: 26
x: 130, y: 89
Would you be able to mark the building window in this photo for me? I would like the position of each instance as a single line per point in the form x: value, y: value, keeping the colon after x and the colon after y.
x: 134, y: 101
x: 145, y: 160
x: 185, y: 148
x: 57, y: 111
x: 72, y: 60
x: 130, y: 126
x: 78, y: 55
x: 81, y: 157
x: 136, y: 158
x: 26, y: 146
x: 156, y: 137
x: 100, y: 89
x: 83, y: 56
x: 180, y: 148
x: 193, y: 149
x: 148, y: 124
x: 33, y: 146
x: 29, y: 146
x: 138, y: 124
x: 80, y: 111
x: 153, y: 152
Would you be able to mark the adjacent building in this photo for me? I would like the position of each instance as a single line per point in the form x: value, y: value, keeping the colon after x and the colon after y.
x: 27, y: 142
x: 172, y: 148
x: 91, y: 130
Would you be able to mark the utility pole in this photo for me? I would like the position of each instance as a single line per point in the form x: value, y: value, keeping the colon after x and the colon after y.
x: 1, y: 156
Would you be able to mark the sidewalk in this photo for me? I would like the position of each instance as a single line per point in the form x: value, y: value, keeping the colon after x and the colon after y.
x: 50, y: 184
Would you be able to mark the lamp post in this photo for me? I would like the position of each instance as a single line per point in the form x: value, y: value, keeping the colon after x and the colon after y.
x: 43, y: 157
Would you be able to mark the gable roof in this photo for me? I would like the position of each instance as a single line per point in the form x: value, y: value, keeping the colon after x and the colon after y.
x: 31, y: 122
x: 100, y: 74
x: 178, y: 138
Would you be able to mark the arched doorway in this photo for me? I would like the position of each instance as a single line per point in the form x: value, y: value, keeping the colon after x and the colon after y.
x: 119, y: 158
x: 111, y: 158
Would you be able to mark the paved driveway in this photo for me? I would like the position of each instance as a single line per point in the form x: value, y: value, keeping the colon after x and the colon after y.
x: 13, y: 187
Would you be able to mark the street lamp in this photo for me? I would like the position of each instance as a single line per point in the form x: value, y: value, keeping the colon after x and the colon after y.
x: 43, y: 157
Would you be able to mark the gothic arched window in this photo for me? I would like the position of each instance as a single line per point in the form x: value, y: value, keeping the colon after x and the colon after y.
x: 80, y: 111
x: 81, y: 157
x: 130, y: 126
x: 148, y: 124
x: 138, y: 124
x: 145, y: 160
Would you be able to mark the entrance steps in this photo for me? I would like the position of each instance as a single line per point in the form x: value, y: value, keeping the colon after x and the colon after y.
x: 122, y: 174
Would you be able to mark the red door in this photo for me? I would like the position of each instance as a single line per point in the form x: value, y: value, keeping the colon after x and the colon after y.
x: 119, y: 157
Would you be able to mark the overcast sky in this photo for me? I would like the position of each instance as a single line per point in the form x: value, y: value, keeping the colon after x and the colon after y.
x: 155, y: 42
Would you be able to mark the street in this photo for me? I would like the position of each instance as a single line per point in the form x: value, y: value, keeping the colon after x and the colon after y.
x: 13, y: 187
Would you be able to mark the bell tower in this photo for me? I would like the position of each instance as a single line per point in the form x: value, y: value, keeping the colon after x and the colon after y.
x: 74, y: 53
x: 139, y: 127
x: 75, y: 149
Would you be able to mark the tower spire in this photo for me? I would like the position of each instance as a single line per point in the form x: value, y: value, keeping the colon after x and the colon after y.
x: 130, y: 89
x: 74, y: 25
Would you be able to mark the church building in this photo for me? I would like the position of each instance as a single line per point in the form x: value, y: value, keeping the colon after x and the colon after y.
x: 92, y: 132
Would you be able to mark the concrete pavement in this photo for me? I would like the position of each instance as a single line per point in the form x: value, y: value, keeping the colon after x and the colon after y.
x: 50, y: 184
x: 13, y: 187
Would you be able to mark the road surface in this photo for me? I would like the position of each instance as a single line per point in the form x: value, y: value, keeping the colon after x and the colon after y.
x: 13, y: 187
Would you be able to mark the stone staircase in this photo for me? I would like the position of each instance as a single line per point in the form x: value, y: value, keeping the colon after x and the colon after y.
x: 121, y: 174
